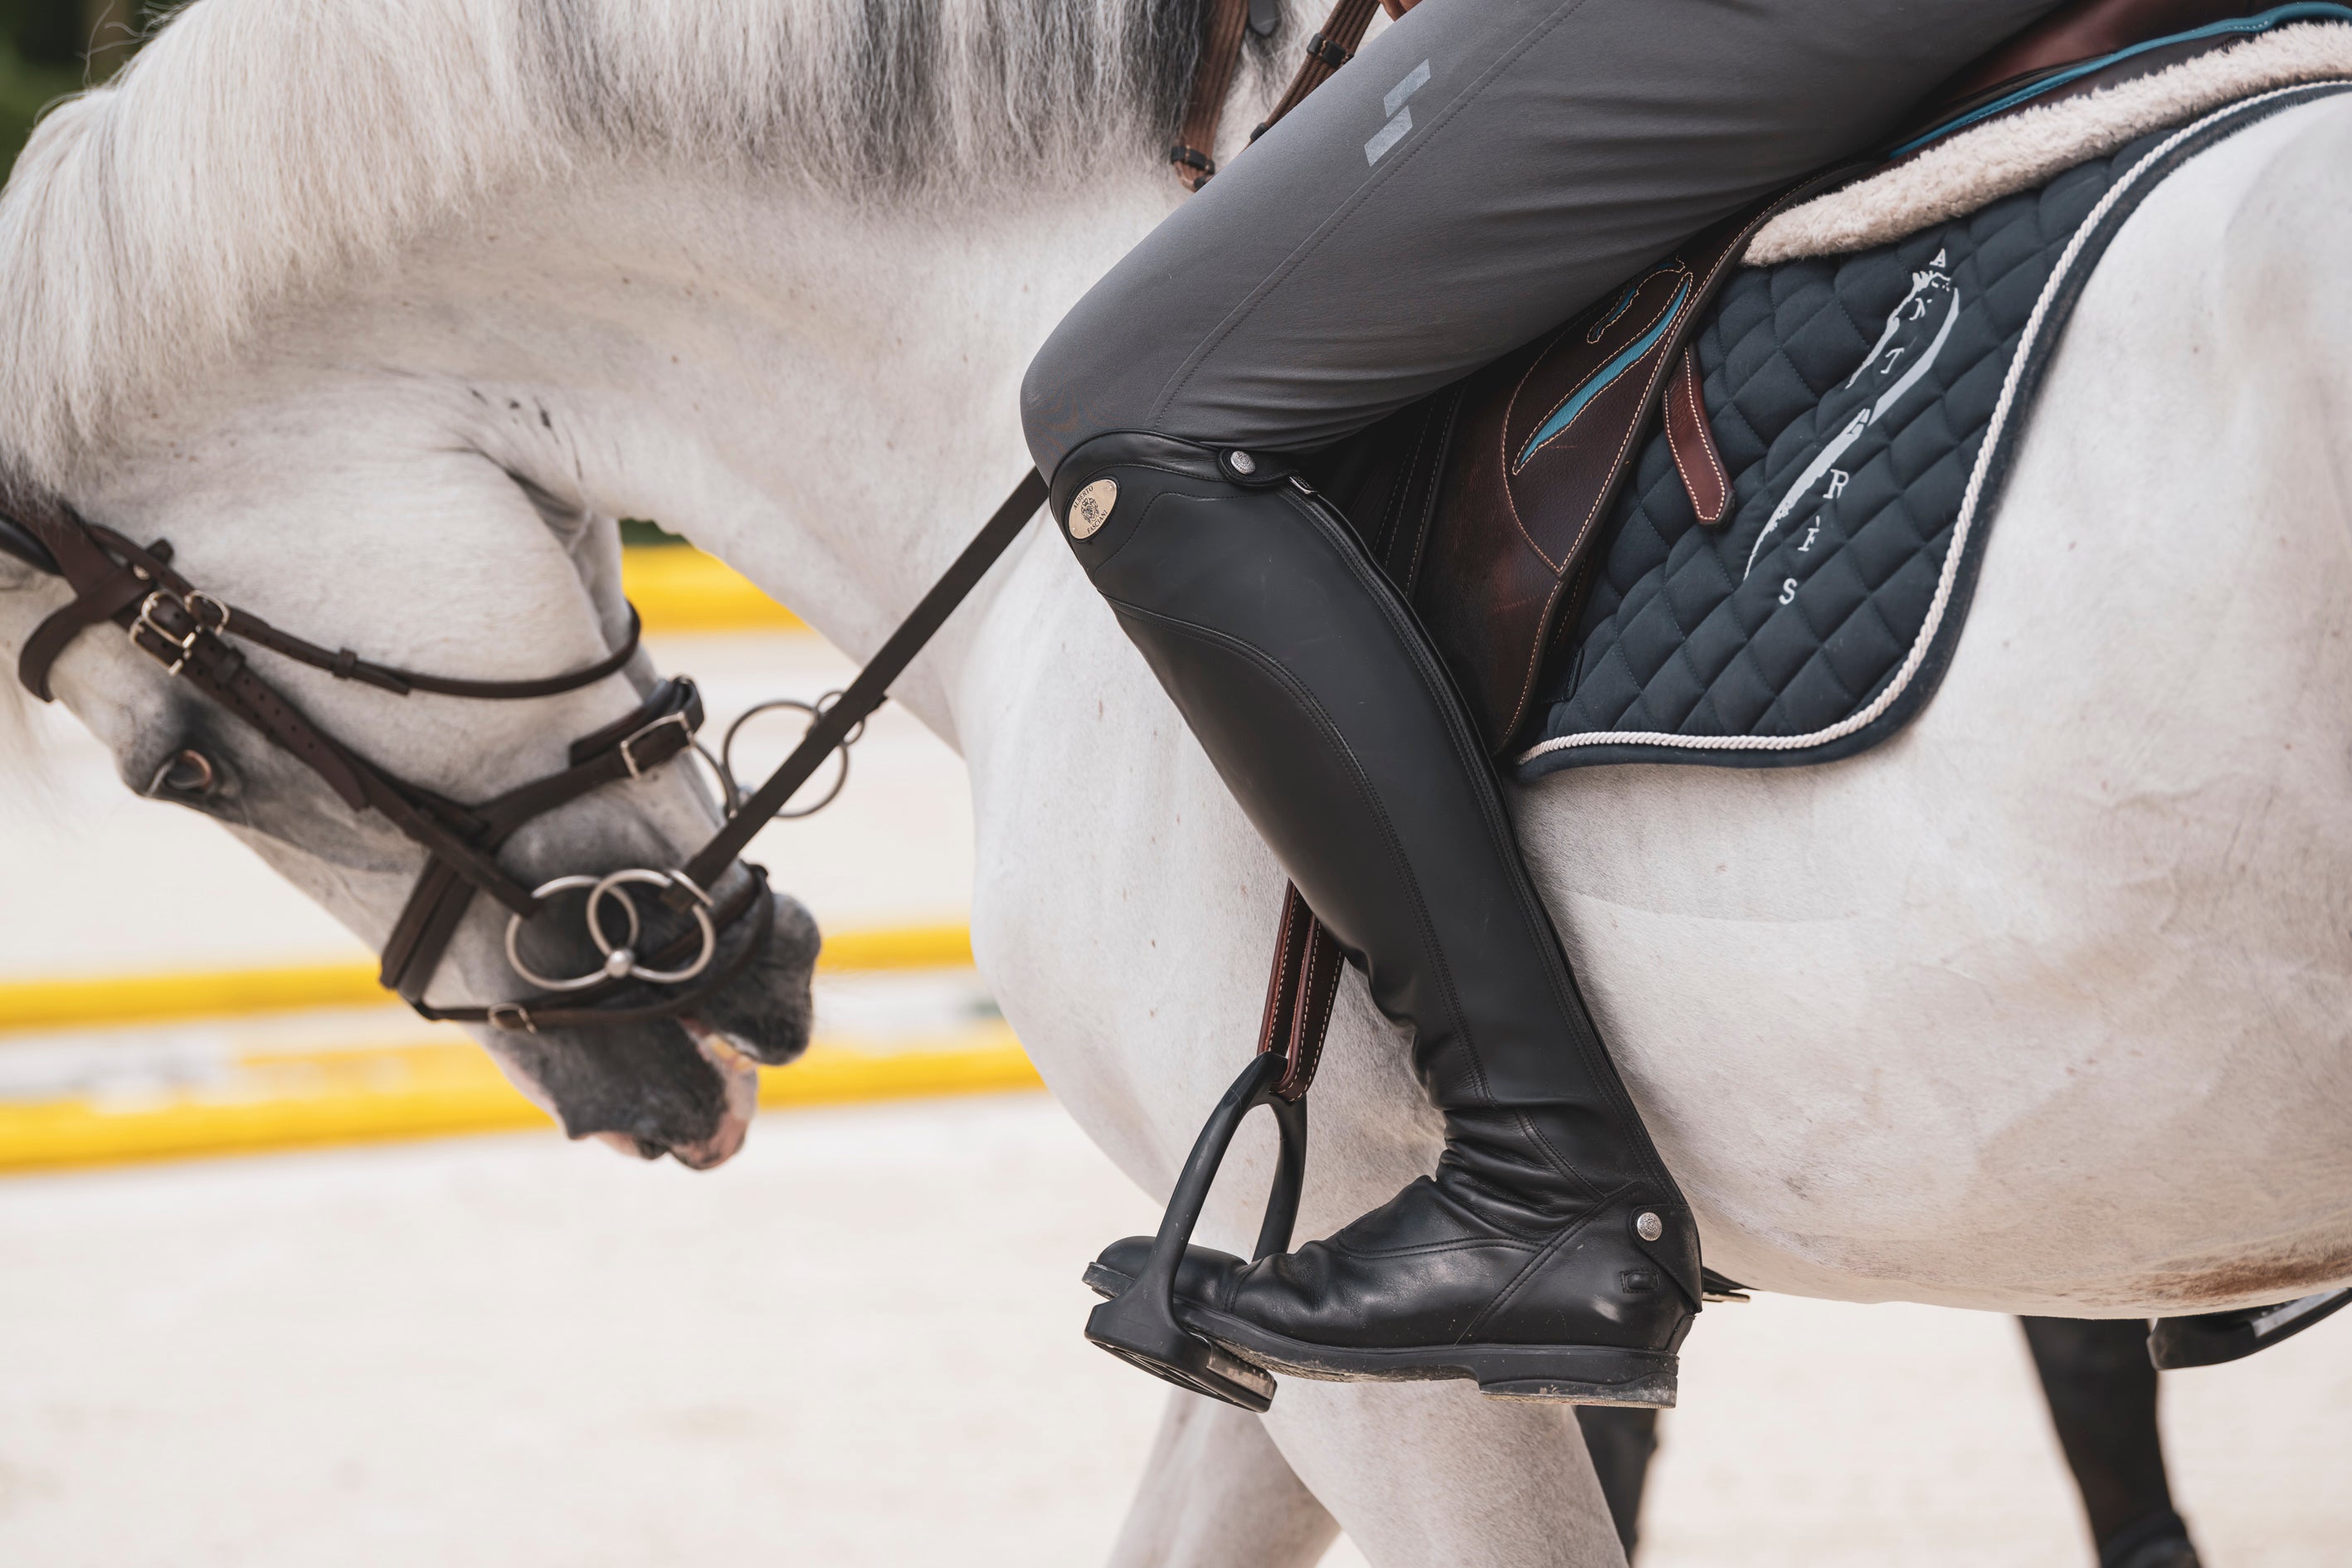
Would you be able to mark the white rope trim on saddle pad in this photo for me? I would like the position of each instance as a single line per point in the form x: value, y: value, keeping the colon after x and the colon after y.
x: 2017, y: 152
x: 1970, y: 501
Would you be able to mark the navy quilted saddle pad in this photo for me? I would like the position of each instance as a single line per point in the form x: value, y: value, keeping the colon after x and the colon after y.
x: 1868, y: 408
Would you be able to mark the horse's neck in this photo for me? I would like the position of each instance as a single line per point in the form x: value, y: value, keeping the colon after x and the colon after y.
x: 825, y: 398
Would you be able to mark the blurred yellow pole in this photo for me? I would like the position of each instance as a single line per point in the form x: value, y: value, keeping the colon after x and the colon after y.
x: 109, y: 36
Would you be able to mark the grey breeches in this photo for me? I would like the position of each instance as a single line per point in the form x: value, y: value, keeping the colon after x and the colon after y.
x: 1481, y: 172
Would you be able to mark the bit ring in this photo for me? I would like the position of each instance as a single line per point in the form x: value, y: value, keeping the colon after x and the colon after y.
x: 620, y: 957
x: 579, y: 983
x: 612, y: 886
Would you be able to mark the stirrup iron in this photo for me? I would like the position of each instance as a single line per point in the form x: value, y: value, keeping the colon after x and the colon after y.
x: 1139, y: 1325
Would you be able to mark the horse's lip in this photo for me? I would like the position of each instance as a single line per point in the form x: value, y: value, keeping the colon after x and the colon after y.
x: 741, y: 1075
x: 628, y: 1144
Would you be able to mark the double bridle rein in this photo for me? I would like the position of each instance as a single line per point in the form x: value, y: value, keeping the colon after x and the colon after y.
x: 193, y: 635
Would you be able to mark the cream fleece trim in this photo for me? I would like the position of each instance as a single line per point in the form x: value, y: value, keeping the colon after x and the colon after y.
x: 2020, y: 151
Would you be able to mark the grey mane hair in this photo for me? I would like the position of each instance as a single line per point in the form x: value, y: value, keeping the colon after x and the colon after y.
x: 24, y: 759
x: 256, y: 149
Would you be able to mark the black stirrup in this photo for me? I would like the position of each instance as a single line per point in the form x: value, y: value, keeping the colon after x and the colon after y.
x: 1138, y: 1324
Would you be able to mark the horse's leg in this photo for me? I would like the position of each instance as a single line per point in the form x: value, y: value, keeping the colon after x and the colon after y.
x: 1621, y: 1440
x: 1431, y: 1475
x: 1216, y: 1493
x: 2101, y: 1392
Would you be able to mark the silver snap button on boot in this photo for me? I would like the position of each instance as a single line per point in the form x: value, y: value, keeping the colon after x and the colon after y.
x: 1241, y: 463
x: 1648, y: 1226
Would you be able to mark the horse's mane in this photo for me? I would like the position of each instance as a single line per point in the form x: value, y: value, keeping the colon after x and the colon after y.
x: 256, y: 147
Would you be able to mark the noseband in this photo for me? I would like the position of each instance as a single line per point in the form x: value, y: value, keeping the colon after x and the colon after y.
x: 193, y: 636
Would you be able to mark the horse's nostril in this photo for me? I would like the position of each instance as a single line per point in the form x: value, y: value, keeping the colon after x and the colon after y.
x: 189, y: 776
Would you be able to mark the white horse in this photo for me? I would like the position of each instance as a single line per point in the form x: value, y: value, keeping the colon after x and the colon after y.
x: 378, y: 310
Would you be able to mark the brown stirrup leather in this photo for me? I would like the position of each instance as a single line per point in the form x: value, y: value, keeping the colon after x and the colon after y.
x: 1299, y: 994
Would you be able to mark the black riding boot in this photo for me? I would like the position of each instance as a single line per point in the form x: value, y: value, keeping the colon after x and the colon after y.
x: 1552, y: 1255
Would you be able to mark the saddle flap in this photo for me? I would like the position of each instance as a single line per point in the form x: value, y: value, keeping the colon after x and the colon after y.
x: 1545, y: 438
x: 1571, y: 417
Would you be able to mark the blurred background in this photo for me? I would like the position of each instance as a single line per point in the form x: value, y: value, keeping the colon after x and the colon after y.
x: 288, y: 1277
x: 49, y: 47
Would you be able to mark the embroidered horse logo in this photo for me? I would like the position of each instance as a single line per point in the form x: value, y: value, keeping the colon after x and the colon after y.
x: 1914, y: 335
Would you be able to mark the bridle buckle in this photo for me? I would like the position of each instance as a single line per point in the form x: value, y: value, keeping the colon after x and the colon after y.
x: 627, y: 747
x: 186, y: 644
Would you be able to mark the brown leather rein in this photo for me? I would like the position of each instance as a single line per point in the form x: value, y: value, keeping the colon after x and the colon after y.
x: 193, y: 635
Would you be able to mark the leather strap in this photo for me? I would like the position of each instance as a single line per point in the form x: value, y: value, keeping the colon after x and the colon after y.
x: 18, y: 541
x: 1194, y: 153
x: 346, y: 664
x: 1332, y: 47
x: 661, y: 728
x: 1691, y: 439
x: 108, y: 572
x: 1299, y: 994
x: 870, y: 688
x: 188, y: 632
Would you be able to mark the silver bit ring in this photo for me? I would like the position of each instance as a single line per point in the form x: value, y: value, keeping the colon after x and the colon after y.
x: 620, y: 957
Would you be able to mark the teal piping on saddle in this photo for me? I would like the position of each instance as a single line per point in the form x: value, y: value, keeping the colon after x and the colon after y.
x: 1566, y: 414
x: 2278, y: 15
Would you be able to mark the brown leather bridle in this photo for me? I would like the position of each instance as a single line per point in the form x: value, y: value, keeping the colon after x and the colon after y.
x: 193, y: 635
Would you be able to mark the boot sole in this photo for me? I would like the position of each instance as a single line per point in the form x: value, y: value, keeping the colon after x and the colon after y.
x: 1573, y: 1374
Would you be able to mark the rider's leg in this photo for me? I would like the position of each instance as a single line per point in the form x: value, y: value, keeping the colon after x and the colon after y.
x: 1482, y: 171
x: 1400, y: 230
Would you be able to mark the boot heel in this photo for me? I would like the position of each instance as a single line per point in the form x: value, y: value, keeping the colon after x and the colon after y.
x: 1647, y: 1393
x: 1138, y: 1325
x: 1644, y: 1379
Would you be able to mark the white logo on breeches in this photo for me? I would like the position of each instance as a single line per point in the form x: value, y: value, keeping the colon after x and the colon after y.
x: 1400, y: 118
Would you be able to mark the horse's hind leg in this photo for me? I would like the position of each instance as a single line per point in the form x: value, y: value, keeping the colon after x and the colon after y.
x: 1427, y: 1475
x: 2101, y: 1392
x: 1621, y: 1440
x: 1216, y: 1493
x: 1430, y: 1475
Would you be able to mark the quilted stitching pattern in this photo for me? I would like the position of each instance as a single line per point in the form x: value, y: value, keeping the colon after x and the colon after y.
x: 1677, y: 634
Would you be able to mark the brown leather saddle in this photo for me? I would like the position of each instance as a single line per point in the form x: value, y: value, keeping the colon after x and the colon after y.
x: 1485, y: 500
